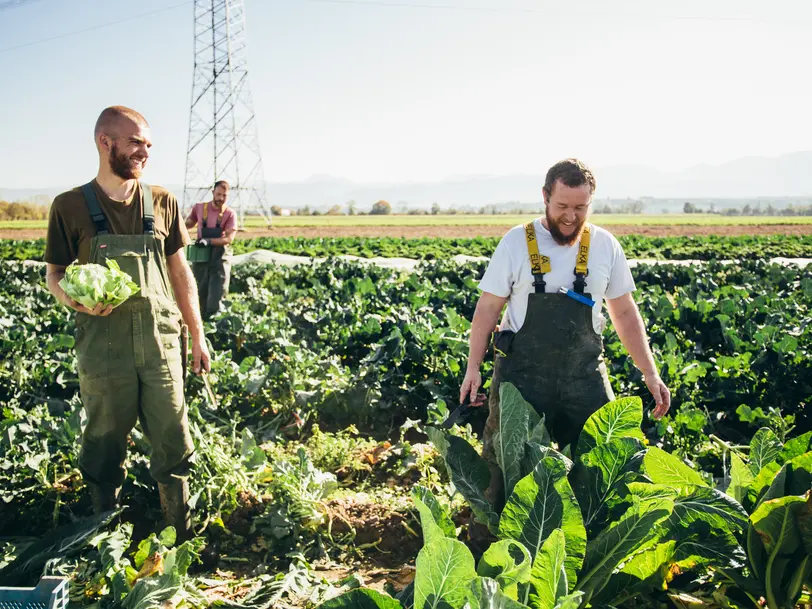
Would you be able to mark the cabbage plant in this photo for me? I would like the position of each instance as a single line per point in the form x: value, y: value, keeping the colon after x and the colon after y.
x: 92, y: 284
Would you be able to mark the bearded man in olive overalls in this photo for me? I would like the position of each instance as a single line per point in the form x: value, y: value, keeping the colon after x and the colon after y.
x: 549, y: 344
x: 130, y: 358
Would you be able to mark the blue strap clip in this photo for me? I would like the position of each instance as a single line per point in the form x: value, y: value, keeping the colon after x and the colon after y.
x: 576, y: 296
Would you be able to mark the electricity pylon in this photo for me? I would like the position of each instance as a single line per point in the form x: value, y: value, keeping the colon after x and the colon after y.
x: 223, y: 140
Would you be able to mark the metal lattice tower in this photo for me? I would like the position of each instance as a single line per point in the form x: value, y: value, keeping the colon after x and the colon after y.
x: 223, y: 140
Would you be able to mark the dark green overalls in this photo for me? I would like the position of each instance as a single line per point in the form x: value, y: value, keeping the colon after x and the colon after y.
x: 214, y: 275
x: 555, y: 360
x: 130, y: 366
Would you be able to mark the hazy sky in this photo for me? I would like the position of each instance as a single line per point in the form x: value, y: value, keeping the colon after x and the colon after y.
x: 414, y: 90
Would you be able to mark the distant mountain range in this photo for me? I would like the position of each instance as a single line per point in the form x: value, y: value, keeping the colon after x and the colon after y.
x: 749, y: 178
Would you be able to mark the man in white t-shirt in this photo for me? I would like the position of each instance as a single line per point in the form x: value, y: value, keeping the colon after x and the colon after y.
x: 549, y: 344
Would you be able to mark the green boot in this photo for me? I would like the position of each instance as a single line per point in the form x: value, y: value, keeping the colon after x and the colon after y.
x: 175, y: 507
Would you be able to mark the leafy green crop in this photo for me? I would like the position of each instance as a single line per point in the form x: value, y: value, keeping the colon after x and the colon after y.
x: 336, y: 344
x: 706, y: 247
x: 774, y: 483
x: 92, y: 284
x: 613, y: 524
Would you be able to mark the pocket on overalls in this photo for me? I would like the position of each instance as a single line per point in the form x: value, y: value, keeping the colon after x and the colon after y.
x: 168, y: 324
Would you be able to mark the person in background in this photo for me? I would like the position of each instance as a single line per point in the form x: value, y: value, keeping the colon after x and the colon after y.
x: 216, y: 228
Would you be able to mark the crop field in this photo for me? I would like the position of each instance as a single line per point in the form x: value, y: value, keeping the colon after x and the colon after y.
x: 473, y: 225
x: 322, y: 476
x: 508, y: 220
x: 709, y: 247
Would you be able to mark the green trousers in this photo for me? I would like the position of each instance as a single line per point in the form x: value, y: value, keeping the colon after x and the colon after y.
x: 130, y: 369
x: 213, y: 278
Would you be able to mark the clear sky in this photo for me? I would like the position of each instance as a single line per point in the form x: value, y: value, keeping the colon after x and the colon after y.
x: 416, y: 90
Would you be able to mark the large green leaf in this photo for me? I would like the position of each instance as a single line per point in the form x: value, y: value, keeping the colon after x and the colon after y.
x: 540, y: 434
x: 597, y: 478
x: 469, y: 473
x: 535, y: 452
x: 804, y: 521
x: 508, y: 562
x: 775, y: 522
x: 362, y: 598
x: 772, y: 476
x: 764, y: 449
x: 701, y: 545
x: 619, y: 419
x: 517, y: 420
x: 711, y: 505
x: 484, y: 593
x: 795, y: 448
x: 548, y: 582
x: 540, y: 503
x: 701, y: 524
x: 152, y: 592
x: 803, y: 572
x: 794, y: 478
x: 445, y: 571
x: 741, y: 477
x: 434, y: 519
x: 646, y: 571
x: 573, y: 601
x: 664, y: 468
x: 619, y: 542
x: 696, y: 503
x: 799, y: 474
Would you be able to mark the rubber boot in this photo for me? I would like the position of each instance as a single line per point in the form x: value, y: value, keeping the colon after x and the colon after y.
x: 175, y: 508
x: 104, y: 497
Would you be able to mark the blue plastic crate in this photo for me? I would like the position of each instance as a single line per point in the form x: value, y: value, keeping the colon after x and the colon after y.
x: 50, y: 593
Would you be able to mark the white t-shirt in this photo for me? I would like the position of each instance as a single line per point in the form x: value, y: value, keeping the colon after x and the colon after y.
x: 508, y: 274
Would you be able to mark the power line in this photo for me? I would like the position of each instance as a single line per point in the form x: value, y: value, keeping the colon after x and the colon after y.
x: 7, y: 4
x: 94, y: 27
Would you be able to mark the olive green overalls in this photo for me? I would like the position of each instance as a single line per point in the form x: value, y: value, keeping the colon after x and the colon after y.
x: 555, y: 360
x: 130, y: 368
x: 214, y: 275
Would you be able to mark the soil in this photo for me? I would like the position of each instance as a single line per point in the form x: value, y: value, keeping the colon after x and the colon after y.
x: 388, y: 533
x: 414, y: 232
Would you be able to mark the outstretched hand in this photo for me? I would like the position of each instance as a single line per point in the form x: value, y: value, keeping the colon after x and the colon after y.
x: 661, y: 394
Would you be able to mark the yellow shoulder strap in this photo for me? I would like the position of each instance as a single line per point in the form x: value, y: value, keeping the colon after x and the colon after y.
x: 538, y: 264
x: 583, y: 253
x: 205, y: 220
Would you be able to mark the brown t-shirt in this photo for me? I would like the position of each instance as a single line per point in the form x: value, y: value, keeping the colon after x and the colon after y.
x: 70, y: 227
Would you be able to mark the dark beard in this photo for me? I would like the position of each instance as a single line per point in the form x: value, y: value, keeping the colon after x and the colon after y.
x: 556, y: 233
x: 120, y: 165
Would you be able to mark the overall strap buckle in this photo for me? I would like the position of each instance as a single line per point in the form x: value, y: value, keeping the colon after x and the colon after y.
x: 582, y: 261
x: 539, y: 265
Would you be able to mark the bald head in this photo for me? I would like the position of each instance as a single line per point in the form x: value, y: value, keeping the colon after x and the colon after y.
x: 123, y: 140
x: 111, y: 119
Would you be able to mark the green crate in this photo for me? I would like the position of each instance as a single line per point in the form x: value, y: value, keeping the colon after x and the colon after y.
x: 198, y: 253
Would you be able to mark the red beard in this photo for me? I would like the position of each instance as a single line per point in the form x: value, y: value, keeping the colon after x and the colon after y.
x: 556, y: 232
x: 123, y: 166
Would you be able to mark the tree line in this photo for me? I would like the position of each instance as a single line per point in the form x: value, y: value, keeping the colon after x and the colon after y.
x: 22, y: 211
